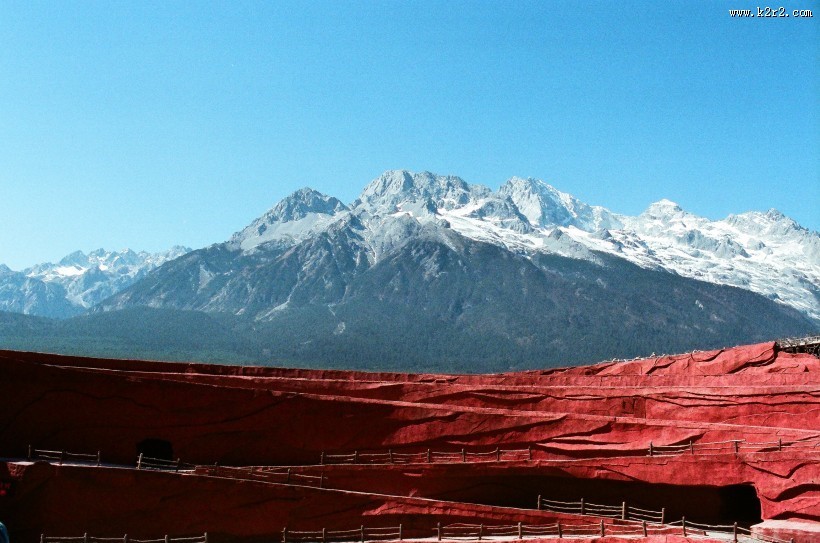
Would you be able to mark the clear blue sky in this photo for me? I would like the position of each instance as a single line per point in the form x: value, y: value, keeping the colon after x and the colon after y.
x: 148, y: 124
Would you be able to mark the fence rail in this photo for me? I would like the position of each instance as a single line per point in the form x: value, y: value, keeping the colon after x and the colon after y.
x: 161, y: 464
x: 732, y: 446
x: 85, y: 538
x: 62, y: 456
x: 623, y: 511
x: 648, y: 520
x: 269, y: 475
x: 362, y: 534
x: 735, y: 446
x: 429, y: 456
x: 558, y: 529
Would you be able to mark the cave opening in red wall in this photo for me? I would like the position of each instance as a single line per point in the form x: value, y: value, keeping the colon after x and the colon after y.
x: 160, y: 449
x: 698, y: 503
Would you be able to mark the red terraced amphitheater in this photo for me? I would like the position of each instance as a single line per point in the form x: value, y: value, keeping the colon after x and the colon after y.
x: 707, y: 446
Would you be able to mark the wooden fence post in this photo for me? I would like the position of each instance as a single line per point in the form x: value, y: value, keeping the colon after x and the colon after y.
x: 206, y: 537
x: 539, y: 502
x: 179, y: 463
x: 560, y: 532
x: 139, y: 461
x: 623, y: 510
x: 691, y: 447
x: 643, y: 525
x: 529, y: 452
x: 603, y: 532
x: 361, y: 530
x: 734, y: 532
x: 167, y: 539
x: 322, y: 458
x: 520, y: 531
x: 463, y: 456
x: 125, y: 538
x: 285, y: 534
x: 42, y: 538
x: 85, y: 537
x: 683, y: 525
x: 438, y: 530
x: 663, y: 514
x: 355, y: 457
x: 429, y: 456
x: 99, y: 458
x: 583, y: 509
x: 322, y: 480
x: 29, y: 453
x: 324, y: 535
x: 62, y: 455
x: 737, y: 447
x: 480, y: 531
x: 400, y: 538
x: 287, y: 481
x: 780, y: 444
x: 650, y: 448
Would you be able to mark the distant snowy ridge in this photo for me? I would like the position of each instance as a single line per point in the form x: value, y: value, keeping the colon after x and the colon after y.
x: 763, y: 252
x: 78, y: 281
x: 767, y: 253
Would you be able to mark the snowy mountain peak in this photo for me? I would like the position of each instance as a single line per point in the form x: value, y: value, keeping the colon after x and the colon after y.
x: 303, y: 202
x: 664, y: 209
x: 77, y: 281
x: 292, y: 220
x: 546, y: 206
x: 394, y: 187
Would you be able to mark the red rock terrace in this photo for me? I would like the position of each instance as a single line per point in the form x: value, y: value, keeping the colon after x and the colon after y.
x: 707, y: 446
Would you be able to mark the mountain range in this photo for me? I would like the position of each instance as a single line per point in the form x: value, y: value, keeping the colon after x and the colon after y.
x: 431, y: 271
x: 77, y: 282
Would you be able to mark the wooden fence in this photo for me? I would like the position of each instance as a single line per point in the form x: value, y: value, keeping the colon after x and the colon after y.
x: 557, y: 529
x: 429, y: 456
x: 622, y: 512
x: 62, y: 456
x: 735, y: 446
x: 361, y: 534
x: 264, y: 474
x: 161, y: 464
x: 85, y: 538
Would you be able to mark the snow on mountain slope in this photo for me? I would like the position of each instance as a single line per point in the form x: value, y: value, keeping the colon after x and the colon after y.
x: 294, y: 219
x: 76, y: 282
x: 766, y: 253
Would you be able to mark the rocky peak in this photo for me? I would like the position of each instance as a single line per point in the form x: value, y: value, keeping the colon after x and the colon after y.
x: 395, y: 187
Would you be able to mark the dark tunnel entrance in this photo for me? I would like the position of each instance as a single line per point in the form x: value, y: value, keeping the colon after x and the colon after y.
x: 156, y: 448
x: 703, y: 504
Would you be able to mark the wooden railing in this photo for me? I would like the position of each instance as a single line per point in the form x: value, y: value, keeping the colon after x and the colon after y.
x: 622, y: 511
x: 429, y: 457
x: 361, y: 534
x: 85, y: 538
x: 558, y: 529
x: 647, y: 519
x: 561, y: 530
x: 62, y: 456
x: 161, y: 464
x: 265, y: 474
x: 735, y: 446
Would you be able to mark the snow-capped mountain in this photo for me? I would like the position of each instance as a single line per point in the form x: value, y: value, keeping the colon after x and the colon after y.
x: 766, y: 253
x: 294, y: 219
x: 77, y: 282
x: 429, y: 269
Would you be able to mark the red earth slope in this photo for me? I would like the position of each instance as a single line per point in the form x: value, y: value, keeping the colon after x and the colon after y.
x: 716, y: 437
